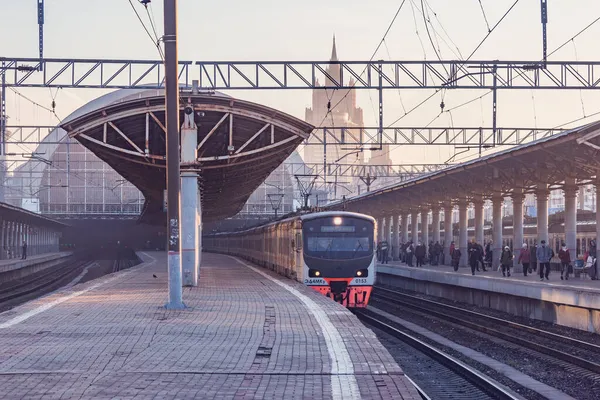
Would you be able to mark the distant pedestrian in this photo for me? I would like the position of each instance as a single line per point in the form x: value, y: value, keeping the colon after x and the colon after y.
x: 525, y: 259
x: 533, y: 257
x: 420, y: 253
x: 593, y: 270
x: 24, y: 251
x: 543, y: 255
x: 384, y: 252
x: 455, y: 258
x: 565, y: 261
x: 489, y: 253
x: 474, y: 256
x: 506, y: 259
x: 410, y: 252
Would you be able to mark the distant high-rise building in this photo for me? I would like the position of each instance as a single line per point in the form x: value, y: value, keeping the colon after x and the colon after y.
x: 333, y: 108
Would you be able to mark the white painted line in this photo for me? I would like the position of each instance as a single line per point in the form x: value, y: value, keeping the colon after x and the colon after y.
x: 343, y: 381
x: 80, y: 276
x: 38, y: 310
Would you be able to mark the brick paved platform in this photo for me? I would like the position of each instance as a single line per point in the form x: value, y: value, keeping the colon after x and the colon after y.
x: 246, y: 334
x: 17, y: 263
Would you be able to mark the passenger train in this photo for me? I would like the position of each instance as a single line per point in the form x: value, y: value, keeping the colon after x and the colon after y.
x: 332, y: 252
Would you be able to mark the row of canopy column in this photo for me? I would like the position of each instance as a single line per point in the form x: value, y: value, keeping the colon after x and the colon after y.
x: 395, y: 228
x: 13, y: 234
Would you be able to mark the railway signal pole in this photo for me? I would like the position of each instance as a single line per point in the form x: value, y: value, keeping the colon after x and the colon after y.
x: 172, y: 121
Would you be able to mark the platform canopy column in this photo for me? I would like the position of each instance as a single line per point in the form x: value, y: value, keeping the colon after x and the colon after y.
x: 570, y: 191
x: 435, y: 221
x: 380, y: 229
x: 389, y: 223
x: 404, y: 227
x: 463, y: 221
x: 395, y: 242
x: 414, y: 226
x: 497, y: 201
x: 2, y: 238
x: 517, y: 200
x: 425, y: 228
x: 597, y: 184
x: 541, y: 195
x: 188, y: 244
x: 478, y: 208
x: 448, y: 236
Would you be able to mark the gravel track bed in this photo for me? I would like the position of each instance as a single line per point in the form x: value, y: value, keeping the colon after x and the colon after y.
x: 437, y: 381
x: 572, y: 380
x: 578, y: 334
x: 564, y: 346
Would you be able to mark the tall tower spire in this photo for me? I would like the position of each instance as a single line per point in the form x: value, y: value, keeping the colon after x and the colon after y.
x: 334, y: 51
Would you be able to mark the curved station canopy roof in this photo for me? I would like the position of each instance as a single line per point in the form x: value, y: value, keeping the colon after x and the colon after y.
x: 239, y: 144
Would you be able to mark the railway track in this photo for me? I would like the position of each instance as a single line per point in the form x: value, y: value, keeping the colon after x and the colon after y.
x: 565, y: 349
x: 16, y: 292
x: 463, y: 372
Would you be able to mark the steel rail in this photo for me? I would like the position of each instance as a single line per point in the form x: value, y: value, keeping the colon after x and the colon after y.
x: 486, y: 384
x: 431, y: 311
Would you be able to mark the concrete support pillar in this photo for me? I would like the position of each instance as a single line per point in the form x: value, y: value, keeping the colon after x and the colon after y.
x: 435, y: 221
x: 448, y: 236
x: 404, y: 227
x: 517, y: 200
x: 198, y: 227
x: 497, y: 201
x: 414, y: 226
x: 380, y: 228
x: 3, y: 240
x: 395, y: 243
x: 188, y: 199
x: 425, y: 229
x: 597, y: 215
x: 570, y: 191
x: 542, y: 194
x: 389, y: 223
x: 478, y: 208
x: 463, y: 221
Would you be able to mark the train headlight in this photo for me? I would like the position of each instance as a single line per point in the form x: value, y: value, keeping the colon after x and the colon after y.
x: 363, y: 273
x: 313, y: 273
x: 337, y: 220
x: 317, y: 273
x: 358, y: 273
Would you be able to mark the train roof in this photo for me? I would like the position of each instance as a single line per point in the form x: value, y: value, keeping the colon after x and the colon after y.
x: 302, y: 217
x: 324, y: 214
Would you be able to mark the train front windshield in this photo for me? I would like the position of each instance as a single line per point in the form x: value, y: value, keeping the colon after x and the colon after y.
x: 338, y: 238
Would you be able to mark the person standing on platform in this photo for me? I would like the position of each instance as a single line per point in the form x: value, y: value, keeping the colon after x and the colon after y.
x: 593, y: 270
x: 506, y: 259
x: 525, y: 259
x: 452, y: 248
x: 533, y: 257
x: 384, y: 252
x: 24, y: 251
x: 474, y: 256
x: 543, y: 255
x: 489, y: 253
x: 410, y: 252
x: 420, y: 253
x: 565, y: 261
x: 437, y: 251
x: 455, y: 258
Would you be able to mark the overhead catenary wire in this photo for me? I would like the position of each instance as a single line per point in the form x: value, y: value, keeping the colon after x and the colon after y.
x: 154, y: 41
x: 484, y: 16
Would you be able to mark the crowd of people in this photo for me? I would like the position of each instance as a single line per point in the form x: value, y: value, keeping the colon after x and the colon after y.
x: 480, y: 258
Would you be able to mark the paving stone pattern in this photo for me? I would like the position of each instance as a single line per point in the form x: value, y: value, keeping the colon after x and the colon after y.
x: 242, y: 337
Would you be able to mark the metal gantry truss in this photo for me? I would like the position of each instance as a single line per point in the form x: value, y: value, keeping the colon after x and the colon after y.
x: 350, y: 136
x: 226, y: 75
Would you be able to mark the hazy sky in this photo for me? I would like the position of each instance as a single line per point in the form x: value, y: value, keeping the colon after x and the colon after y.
x: 302, y: 30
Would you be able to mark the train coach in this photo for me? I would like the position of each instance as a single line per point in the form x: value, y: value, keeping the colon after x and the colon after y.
x: 332, y: 252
